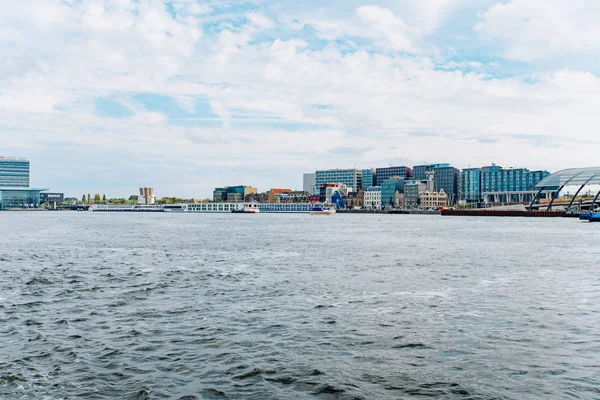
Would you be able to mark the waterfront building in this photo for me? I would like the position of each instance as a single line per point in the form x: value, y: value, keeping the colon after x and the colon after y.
x: 369, y: 178
x: 373, y: 198
x: 278, y: 195
x: 355, y: 200
x: 20, y: 198
x: 383, y: 174
x: 14, y: 172
x: 390, y: 190
x: 328, y: 190
x: 433, y: 200
x: 470, y: 185
x: 351, y: 178
x: 420, y: 171
x: 308, y: 183
x: 233, y: 193
x: 509, y: 185
x: 298, y: 196
x: 412, y: 191
x: 52, y: 199
x: 447, y: 178
x: 14, y: 185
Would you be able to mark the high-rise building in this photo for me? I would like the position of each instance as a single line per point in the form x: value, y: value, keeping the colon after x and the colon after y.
x: 383, y: 174
x: 14, y: 172
x: 447, y: 178
x: 14, y: 185
x: 352, y: 178
x: 498, y: 179
x: 369, y: 178
x: 420, y: 171
x: 497, y: 184
x: 308, y: 183
x: 470, y: 185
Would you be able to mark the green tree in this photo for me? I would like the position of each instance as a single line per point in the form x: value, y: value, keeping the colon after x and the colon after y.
x: 89, y: 199
x: 83, y: 199
x: 104, y: 199
x: 97, y: 198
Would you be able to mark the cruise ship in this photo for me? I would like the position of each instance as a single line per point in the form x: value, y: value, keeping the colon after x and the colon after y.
x: 125, y: 208
x: 212, y: 208
x: 268, y: 208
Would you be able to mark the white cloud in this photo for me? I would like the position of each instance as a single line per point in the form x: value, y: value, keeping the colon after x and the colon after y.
x: 219, y: 109
x: 284, y: 98
x: 392, y: 27
x: 533, y: 30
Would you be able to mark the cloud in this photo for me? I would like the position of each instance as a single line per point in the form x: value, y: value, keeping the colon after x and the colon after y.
x: 532, y: 30
x: 243, y: 87
x: 392, y: 28
x: 221, y: 112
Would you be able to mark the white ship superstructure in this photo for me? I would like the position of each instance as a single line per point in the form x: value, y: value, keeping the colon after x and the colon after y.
x: 292, y: 208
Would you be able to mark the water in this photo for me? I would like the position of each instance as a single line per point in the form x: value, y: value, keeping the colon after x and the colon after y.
x: 165, y: 306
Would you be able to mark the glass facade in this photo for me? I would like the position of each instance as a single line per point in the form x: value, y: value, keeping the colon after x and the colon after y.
x: 16, y: 198
x: 352, y: 178
x: 389, y: 189
x: 420, y: 171
x: 383, y: 174
x: 369, y: 178
x: 447, y: 178
x: 470, y: 185
x: 14, y: 173
x: 497, y: 179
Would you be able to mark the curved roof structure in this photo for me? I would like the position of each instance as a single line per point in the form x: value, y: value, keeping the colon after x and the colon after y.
x: 572, y: 176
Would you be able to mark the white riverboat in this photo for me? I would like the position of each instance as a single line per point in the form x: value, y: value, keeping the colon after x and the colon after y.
x: 263, y: 208
x: 125, y: 208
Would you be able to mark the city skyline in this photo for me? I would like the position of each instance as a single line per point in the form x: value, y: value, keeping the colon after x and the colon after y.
x: 113, y: 95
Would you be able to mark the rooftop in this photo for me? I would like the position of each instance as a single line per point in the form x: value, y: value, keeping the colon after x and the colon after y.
x: 572, y: 176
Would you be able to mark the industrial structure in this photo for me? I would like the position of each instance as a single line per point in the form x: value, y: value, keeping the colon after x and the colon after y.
x: 556, y: 182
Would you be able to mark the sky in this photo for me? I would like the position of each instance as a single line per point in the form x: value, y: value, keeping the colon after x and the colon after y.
x: 106, y: 96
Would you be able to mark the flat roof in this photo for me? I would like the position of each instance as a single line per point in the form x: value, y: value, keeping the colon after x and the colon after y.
x: 572, y: 176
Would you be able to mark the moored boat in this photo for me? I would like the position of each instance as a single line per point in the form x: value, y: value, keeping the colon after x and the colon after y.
x: 595, y: 217
x: 247, y: 209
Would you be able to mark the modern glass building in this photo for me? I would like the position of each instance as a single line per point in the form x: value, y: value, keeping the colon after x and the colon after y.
x: 389, y: 189
x: 470, y: 185
x: 369, y: 179
x: 447, y: 178
x: 498, y: 179
x: 383, y: 174
x: 352, y: 178
x: 14, y: 172
x: 420, y: 171
x: 19, y: 198
x: 501, y: 184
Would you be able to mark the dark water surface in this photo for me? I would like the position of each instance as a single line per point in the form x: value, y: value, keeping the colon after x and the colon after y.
x: 164, y: 306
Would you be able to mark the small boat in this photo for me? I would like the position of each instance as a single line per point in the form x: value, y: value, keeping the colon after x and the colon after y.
x: 322, y: 210
x: 247, y: 209
x: 595, y: 217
